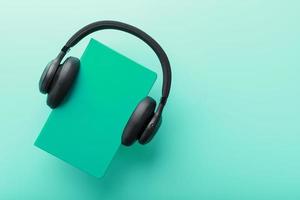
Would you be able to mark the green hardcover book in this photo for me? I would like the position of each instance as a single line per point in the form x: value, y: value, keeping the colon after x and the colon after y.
x: 85, y: 131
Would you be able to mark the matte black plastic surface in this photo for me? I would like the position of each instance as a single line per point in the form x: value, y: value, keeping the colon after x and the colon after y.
x: 138, y: 121
x: 48, y: 76
x: 63, y: 81
x: 101, y: 25
x: 151, y: 129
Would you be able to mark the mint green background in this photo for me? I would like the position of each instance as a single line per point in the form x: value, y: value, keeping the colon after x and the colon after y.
x: 231, y: 128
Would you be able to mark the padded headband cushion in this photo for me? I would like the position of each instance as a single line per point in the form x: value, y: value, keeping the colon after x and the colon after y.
x: 101, y: 25
x: 63, y: 80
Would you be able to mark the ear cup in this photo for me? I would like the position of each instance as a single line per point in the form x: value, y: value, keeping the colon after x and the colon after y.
x: 63, y: 81
x: 151, y: 129
x: 48, y: 76
x: 138, y: 121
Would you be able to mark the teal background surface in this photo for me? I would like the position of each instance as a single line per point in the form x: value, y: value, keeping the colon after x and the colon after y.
x: 231, y: 128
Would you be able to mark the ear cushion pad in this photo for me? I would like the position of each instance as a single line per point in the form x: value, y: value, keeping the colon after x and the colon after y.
x: 63, y: 80
x: 138, y: 121
x: 47, y: 76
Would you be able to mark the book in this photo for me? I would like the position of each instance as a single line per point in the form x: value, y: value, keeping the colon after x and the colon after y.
x: 85, y: 130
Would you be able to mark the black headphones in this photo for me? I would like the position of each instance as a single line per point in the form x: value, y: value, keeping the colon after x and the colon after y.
x: 58, y: 78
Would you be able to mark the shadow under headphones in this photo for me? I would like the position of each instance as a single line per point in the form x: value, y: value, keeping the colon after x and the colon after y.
x: 57, y: 80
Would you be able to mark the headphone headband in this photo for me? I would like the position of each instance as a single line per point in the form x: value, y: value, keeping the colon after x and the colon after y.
x: 101, y: 25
